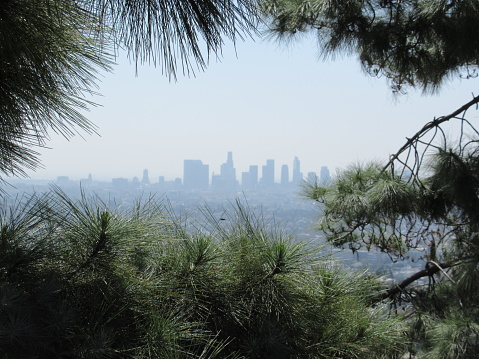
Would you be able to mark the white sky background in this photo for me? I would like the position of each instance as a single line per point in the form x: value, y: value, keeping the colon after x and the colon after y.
x: 271, y: 101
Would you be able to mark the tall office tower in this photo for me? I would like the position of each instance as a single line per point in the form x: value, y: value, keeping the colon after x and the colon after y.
x: 253, y: 170
x: 268, y: 174
x: 228, y: 172
x: 324, y: 176
x: 284, y: 175
x: 195, y: 174
x: 226, y: 180
x: 145, y: 179
x: 312, y: 178
x: 297, y: 175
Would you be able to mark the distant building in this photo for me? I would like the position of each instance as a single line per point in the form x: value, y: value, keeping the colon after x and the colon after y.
x: 136, y: 182
x: 177, y: 183
x: 249, y: 180
x: 161, y: 181
x: 253, y: 171
x: 87, y: 182
x: 228, y: 170
x: 284, y: 175
x: 324, y: 176
x: 119, y: 183
x: 226, y: 180
x: 268, y: 174
x: 312, y: 178
x: 195, y: 174
x: 145, y: 180
x: 297, y: 175
x: 63, y: 180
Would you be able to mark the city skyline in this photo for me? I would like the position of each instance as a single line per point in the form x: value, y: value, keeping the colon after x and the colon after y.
x: 262, y: 101
x: 197, y: 175
x: 215, y: 170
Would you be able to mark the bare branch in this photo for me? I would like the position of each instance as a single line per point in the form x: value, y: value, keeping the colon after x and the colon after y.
x: 429, y: 126
x: 429, y: 271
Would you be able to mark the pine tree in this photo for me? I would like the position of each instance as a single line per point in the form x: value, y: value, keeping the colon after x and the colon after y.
x: 421, y: 206
x: 82, y: 279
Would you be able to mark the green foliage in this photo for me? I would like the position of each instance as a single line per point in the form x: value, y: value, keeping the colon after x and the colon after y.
x: 83, y: 279
x: 455, y: 179
x: 49, y: 61
x: 418, y: 43
x: 429, y: 214
x: 52, y: 51
x: 453, y: 337
x: 368, y: 207
x: 175, y: 35
x: 417, y: 206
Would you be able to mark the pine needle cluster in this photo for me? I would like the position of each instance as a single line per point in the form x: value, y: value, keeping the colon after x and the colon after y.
x: 53, y: 51
x: 422, y: 207
x: 80, y: 279
x: 413, y: 43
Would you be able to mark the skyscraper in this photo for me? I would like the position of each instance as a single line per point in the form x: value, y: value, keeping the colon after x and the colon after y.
x: 324, y: 176
x: 145, y: 180
x: 268, y: 174
x: 297, y: 175
x: 284, y: 175
x: 253, y: 170
x: 249, y: 180
x: 195, y: 174
x: 227, y: 177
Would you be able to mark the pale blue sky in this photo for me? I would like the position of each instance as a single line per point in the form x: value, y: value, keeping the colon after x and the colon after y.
x: 269, y: 101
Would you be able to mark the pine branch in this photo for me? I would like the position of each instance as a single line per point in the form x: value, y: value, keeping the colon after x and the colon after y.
x: 429, y: 271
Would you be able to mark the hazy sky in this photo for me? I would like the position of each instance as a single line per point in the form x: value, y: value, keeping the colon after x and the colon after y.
x: 266, y: 101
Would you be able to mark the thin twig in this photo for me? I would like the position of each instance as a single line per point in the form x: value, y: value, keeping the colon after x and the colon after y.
x: 433, y: 124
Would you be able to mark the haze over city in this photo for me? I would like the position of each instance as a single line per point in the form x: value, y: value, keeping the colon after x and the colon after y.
x: 263, y: 100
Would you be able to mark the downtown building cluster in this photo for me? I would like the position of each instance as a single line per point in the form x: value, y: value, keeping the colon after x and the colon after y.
x: 196, y: 175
